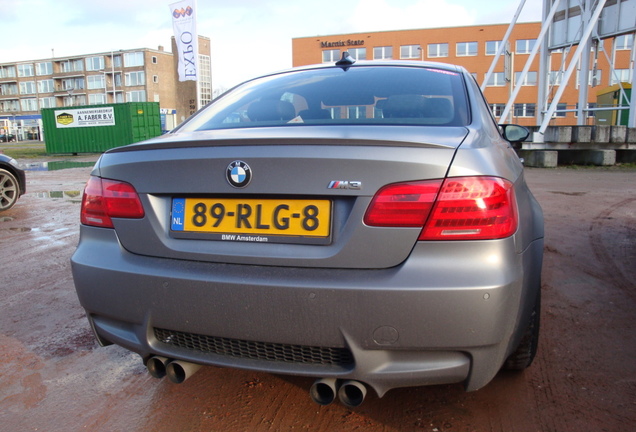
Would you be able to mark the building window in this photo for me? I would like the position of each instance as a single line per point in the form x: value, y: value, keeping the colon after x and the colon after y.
x: 96, y: 82
x: 621, y: 75
x: 133, y: 59
x: 624, y: 42
x: 410, y: 52
x: 593, y: 80
x: 72, y: 66
x: 383, y: 53
x: 75, y: 100
x: 556, y: 77
x: 497, y: 109
x: 8, y: 89
x: 27, y: 87
x: 25, y: 70
x: 135, y: 78
x: 46, y: 86
x: 464, y: 49
x: 29, y: 104
x: 438, y: 50
x: 525, y: 110
x: 117, y: 61
x: 529, y: 80
x: 96, y: 99
x: 154, y: 59
x: 155, y: 79
x: 44, y: 68
x: 73, y: 84
x: 7, y: 72
x: 9, y: 106
x: 525, y: 46
x: 330, y: 56
x: 136, y: 96
x: 358, y: 53
x: 95, y: 63
x: 497, y: 79
x: 492, y: 47
x: 47, y: 102
x: 560, y: 107
x: 205, y: 80
x: 589, y: 113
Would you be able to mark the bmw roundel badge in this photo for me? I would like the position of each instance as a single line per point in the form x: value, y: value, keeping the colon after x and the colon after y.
x: 238, y: 174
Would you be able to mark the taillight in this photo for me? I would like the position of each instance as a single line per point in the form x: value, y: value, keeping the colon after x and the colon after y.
x: 402, y: 204
x: 461, y: 208
x: 473, y: 208
x: 105, y: 198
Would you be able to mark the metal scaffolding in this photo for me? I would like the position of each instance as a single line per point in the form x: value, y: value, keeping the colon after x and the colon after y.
x: 565, y: 24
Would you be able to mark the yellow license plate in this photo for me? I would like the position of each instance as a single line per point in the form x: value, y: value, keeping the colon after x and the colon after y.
x: 277, y: 217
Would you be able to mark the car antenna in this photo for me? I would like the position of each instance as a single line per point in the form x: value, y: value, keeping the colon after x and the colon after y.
x: 346, y: 61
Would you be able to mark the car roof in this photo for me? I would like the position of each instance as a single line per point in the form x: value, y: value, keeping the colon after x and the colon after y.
x: 371, y: 63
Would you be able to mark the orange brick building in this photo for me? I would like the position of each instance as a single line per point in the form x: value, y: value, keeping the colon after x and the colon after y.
x: 474, y: 47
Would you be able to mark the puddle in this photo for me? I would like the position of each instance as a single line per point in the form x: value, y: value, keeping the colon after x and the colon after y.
x: 60, y: 194
x: 18, y: 229
x: 55, y: 165
x: 568, y: 193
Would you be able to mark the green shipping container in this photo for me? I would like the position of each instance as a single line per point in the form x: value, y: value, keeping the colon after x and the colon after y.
x: 97, y: 128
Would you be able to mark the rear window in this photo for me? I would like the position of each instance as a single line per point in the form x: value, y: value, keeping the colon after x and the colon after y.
x: 386, y: 95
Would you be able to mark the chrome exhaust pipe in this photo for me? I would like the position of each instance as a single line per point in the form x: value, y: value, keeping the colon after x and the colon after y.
x: 323, y: 391
x: 157, y: 366
x: 178, y: 371
x: 352, y: 393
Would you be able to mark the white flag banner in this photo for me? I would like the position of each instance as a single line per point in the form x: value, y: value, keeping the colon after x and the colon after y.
x: 184, y: 23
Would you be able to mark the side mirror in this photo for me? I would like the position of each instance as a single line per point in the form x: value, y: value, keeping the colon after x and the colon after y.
x: 514, y: 133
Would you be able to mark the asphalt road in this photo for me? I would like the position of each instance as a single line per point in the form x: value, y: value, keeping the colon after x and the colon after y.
x: 54, y: 377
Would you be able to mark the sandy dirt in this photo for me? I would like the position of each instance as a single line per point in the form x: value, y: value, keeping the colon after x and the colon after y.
x: 54, y: 377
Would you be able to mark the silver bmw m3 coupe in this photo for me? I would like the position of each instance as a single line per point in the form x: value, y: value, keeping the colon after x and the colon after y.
x: 363, y: 223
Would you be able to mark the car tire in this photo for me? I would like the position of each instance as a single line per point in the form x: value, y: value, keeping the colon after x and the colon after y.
x: 523, y: 356
x: 9, y: 190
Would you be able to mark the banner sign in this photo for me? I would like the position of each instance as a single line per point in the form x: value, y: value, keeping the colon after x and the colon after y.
x: 184, y: 25
x: 88, y: 117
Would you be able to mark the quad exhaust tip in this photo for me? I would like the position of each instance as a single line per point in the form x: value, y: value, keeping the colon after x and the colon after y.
x: 157, y: 366
x: 323, y: 391
x: 177, y: 371
x: 351, y: 393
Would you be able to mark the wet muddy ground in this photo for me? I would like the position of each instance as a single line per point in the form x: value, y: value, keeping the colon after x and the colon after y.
x: 54, y: 377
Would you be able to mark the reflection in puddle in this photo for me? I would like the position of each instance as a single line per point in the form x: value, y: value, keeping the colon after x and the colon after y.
x: 59, y: 194
x: 55, y: 165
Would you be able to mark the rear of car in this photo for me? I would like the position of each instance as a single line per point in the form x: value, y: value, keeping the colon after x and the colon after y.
x: 361, y: 222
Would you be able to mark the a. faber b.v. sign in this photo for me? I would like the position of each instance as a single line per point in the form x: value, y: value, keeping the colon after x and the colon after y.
x: 86, y: 117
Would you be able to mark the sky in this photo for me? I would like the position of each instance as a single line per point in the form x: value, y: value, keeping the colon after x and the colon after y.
x: 248, y: 37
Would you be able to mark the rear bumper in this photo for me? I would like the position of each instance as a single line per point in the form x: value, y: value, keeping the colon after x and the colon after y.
x: 423, y: 322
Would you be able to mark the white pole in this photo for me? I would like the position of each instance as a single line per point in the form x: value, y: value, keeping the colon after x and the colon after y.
x: 526, y: 68
x: 568, y: 73
x: 501, y: 46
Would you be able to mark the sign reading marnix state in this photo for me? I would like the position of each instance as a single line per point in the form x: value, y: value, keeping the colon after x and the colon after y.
x: 87, y: 117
